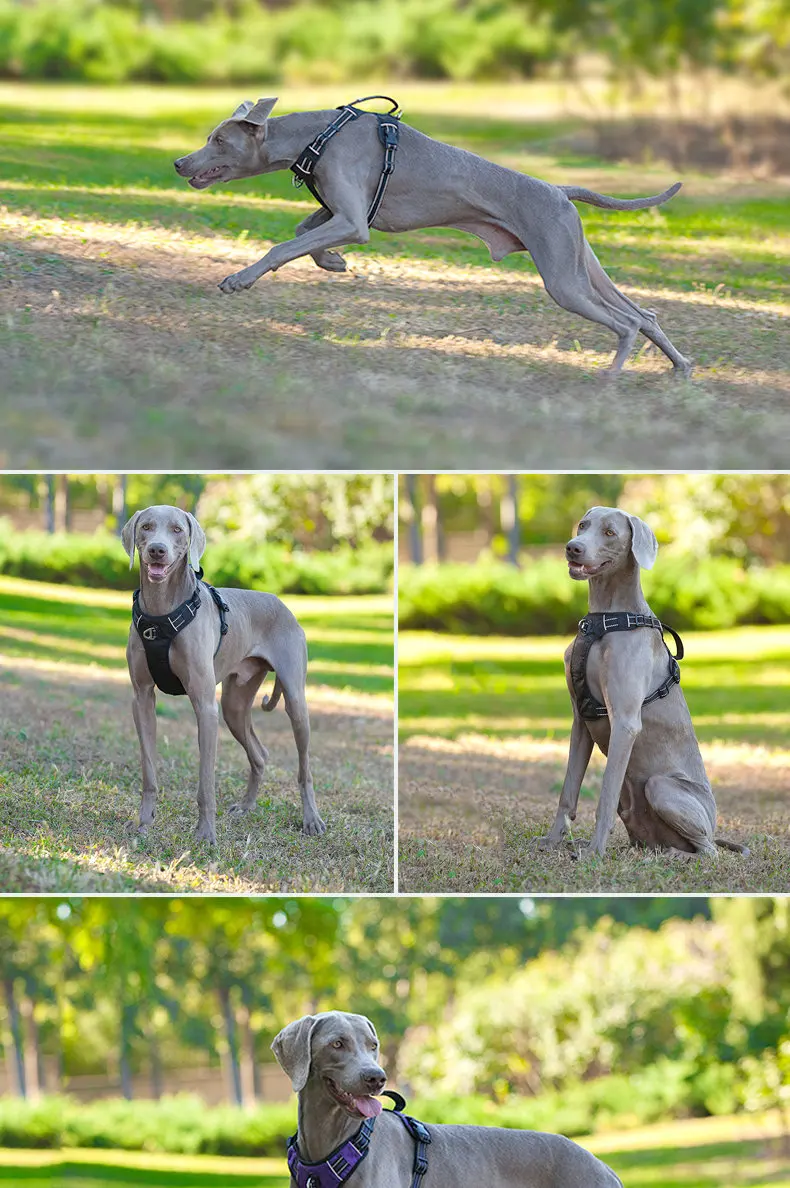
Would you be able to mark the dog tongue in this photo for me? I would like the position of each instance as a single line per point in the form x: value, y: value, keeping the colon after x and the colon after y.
x: 156, y: 570
x: 369, y: 1107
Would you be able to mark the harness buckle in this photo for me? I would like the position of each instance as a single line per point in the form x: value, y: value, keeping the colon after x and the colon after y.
x: 420, y: 1164
x: 150, y: 632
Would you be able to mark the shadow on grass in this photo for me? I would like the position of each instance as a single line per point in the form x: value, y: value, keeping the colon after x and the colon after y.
x: 79, y: 1174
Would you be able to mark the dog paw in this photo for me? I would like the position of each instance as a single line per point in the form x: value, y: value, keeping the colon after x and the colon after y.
x: 237, y: 282
x: 240, y: 809
x: 683, y: 370
x: 332, y: 262
x: 206, y: 832
x: 313, y: 826
x: 588, y: 849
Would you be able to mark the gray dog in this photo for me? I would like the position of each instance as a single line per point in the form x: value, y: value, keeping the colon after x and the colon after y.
x: 332, y: 1060
x: 433, y: 185
x: 655, y: 777
x: 262, y: 636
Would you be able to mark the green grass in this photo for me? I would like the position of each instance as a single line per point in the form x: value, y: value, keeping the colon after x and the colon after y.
x: 69, y: 773
x: 737, y: 684
x: 112, y: 264
x: 704, y: 1153
x: 484, y: 725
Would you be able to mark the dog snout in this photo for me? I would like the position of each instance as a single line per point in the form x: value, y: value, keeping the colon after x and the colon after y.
x: 574, y: 550
x: 374, y: 1080
x: 179, y: 164
x: 156, y: 551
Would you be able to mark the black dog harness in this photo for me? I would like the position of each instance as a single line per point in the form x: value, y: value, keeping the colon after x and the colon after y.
x: 595, y: 626
x: 157, y: 632
x: 345, y: 1159
x: 389, y: 132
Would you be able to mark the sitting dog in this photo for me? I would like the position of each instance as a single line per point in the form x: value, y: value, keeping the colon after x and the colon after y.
x: 432, y: 185
x: 626, y: 697
x: 332, y: 1060
x: 186, y: 637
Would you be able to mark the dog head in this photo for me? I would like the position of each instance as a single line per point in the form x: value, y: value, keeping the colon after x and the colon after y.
x: 166, y: 539
x: 337, y: 1054
x: 236, y: 148
x: 606, y: 539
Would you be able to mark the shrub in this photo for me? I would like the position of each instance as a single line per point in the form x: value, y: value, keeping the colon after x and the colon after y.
x: 494, y: 598
x: 100, y: 561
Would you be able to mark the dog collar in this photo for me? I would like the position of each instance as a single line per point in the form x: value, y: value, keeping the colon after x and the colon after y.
x: 595, y: 626
x: 345, y: 1159
x: 157, y: 632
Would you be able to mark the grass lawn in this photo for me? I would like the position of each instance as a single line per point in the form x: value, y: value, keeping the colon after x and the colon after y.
x: 484, y: 727
x: 702, y: 1153
x: 69, y: 765
x: 116, y: 339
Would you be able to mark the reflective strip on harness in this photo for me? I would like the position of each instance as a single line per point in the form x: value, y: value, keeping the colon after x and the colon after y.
x: 594, y: 627
x: 389, y: 131
x: 157, y: 632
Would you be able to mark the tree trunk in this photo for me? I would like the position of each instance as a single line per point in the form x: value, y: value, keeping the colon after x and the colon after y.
x: 49, y: 503
x: 508, y: 519
x: 232, y: 1071
x: 30, y: 1053
x: 119, y: 502
x: 415, y: 530
x: 246, y: 1055
x: 124, y: 1066
x: 62, y: 504
x: 155, y: 1057
x: 17, y: 1061
x: 432, y: 534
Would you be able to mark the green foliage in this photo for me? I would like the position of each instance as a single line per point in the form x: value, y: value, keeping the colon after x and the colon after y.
x: 315, y: 41
x: 494, y: 598
x: 99, y: 561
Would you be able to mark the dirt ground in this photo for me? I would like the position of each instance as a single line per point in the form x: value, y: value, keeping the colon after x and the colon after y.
x: 470, y: 810
x: 69, y: 793
x: 124, y: 347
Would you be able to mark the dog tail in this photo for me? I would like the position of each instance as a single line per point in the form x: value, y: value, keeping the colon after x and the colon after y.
x: 578, y: 194
x: 733, y: 847
x: 269, y: 703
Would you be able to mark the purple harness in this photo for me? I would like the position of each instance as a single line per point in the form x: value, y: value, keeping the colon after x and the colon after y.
x: 345, y: 1159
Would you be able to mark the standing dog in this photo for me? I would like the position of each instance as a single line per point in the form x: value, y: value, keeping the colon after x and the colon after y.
x: 433, y: 185
x: 654, y: 775
x: 332, y: 1060
x: 262, y: 636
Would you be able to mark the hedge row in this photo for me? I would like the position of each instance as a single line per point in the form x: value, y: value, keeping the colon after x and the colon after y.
x: 183, y: 1125
x: 100, y: 561
x: 495, y: 598
x: 101, y: 42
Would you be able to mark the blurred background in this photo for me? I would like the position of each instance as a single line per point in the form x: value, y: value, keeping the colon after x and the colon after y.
x: 656, y: 1030
x: 486, y: 609
x: 69, y: 766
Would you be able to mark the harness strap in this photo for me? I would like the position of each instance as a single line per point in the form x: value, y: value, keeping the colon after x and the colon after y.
x: 345, y: 1159
x: 594, y: 627
x: 157, y: 632
x: 389, y: 130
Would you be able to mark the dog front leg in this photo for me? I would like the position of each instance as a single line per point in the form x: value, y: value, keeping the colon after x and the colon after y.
x: 579, y: 752
x: 335, y: 232
x: 144, y: 713
x: 624, y: 733
x: 205, y: 706
x: 329, y: 261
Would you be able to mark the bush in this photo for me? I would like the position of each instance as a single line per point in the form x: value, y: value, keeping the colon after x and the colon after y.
x: 494, y: 598
x: 99, y: 561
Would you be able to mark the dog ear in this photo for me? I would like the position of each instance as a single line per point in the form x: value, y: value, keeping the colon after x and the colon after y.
x: 241, y: 111
x: 196, y: 545
x: 128, y: 533
x: 644, y: 545
x: 254, y: 113
x: 292, y: 1050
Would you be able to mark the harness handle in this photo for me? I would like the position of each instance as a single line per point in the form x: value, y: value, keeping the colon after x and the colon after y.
x: 399, y: 1102
x: 367, y: 99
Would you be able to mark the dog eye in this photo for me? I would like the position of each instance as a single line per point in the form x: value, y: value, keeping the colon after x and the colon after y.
x: 218, y: 141
x: 610, y: 532
x: 337, y: 1043
x: 177, y: 528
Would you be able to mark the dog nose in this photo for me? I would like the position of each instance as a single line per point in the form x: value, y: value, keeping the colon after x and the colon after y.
x: 158, y: 551
x: 177, y: 164
x: 573, y: 549
x: 375, y: 1080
